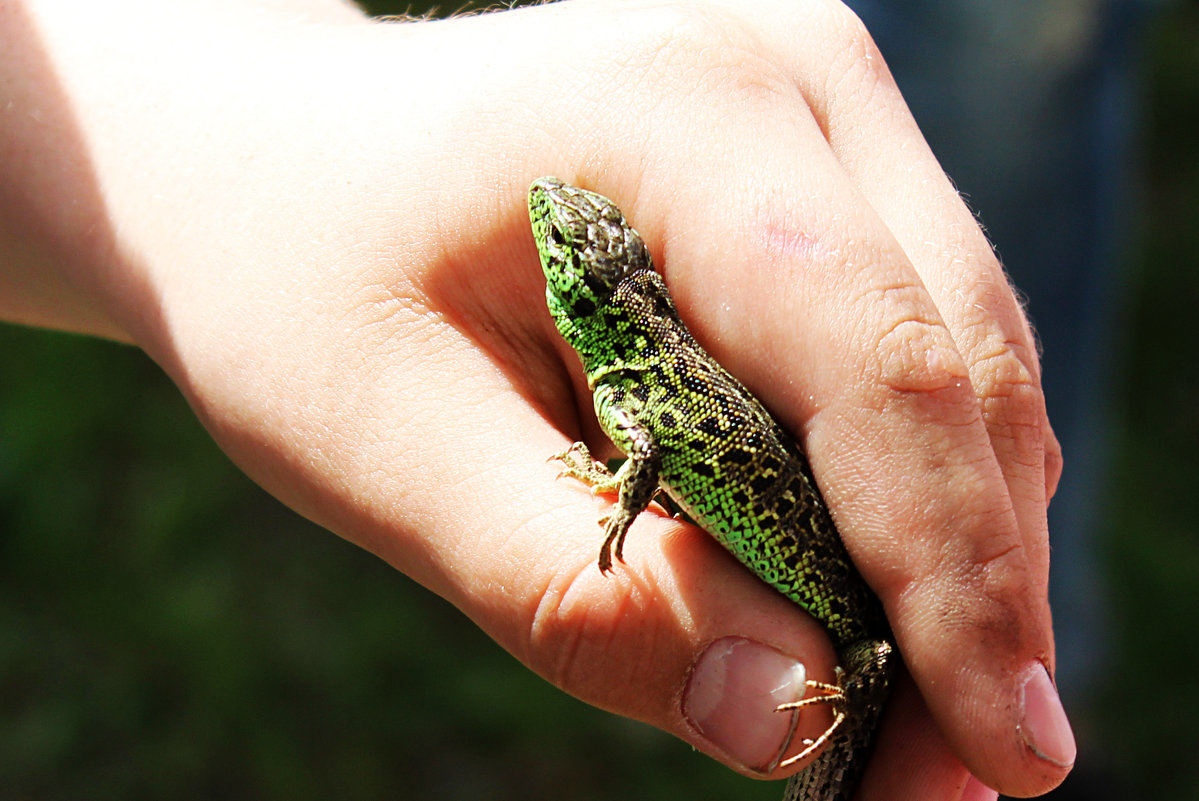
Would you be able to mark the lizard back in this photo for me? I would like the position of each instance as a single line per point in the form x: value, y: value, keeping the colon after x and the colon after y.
x: 688, y: 426
x: 726, y: 461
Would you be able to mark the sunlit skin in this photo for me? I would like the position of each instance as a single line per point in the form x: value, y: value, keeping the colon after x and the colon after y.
x: 330, y: 256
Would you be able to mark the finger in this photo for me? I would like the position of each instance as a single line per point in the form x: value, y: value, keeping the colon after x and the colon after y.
x: 409, y: 439
x: 893, y: 422
x: 679, y: 636
x: 958, y: 267
x: 955, y: 262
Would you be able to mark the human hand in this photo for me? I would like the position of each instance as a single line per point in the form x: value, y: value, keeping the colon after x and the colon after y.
x: 324, y: 242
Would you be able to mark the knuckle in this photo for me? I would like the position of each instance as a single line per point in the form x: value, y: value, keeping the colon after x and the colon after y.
x: 854, y: 62
x: 994, y: 597
x: 685, y: 32
x: 1004, y: 371
x: 913, y: 359
x: 916, y: 355
x: 562, y: 643
x: 996, y: 564
x: 1013, y: 405
x: 712, y: 48
x: 1054, y: 462
x: 986, y: 561
x: 977, y: 581
x: 845, y: 29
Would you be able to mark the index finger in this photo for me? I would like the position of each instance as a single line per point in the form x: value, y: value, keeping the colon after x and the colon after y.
x: 877, y: 368
x: 970, y: 289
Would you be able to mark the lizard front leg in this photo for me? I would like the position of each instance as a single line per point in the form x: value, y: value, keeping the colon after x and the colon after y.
x: 636, y: 481
x: 637, y: 478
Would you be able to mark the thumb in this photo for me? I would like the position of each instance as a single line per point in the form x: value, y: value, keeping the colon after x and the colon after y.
x: 679, y: 636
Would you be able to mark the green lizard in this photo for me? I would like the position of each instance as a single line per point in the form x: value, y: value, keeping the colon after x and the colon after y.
x: 693, y: 431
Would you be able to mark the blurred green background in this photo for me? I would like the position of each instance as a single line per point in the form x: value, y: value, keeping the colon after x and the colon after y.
x: 167, y: 630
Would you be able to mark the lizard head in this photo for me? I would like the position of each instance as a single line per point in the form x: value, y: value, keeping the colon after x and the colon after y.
x: 586, y: 246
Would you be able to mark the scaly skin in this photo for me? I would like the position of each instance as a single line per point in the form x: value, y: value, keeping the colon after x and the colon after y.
x: 692, y: 430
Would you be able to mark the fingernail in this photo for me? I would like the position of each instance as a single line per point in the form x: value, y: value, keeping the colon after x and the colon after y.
x: 977, y: 791
x: 1043, y: 724
x: 731, y: 697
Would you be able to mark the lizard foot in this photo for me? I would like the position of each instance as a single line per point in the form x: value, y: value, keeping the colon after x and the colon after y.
x: 578, y: 463
x: 829, y: 694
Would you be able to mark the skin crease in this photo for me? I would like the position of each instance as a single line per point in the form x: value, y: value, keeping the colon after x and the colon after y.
x: 334, y: 265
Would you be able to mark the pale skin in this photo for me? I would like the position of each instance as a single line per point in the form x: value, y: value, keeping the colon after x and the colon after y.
x: 316, y: 226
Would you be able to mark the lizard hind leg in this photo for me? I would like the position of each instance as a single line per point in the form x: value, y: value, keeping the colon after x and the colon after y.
x: 833, y: 694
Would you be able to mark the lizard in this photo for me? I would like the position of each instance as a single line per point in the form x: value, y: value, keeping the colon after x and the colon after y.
x: 692, y: 431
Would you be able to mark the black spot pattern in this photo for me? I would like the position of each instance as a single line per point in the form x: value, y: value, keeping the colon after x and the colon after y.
x: 689, y: 426
x: 727, y: 463
x: 583, y: 307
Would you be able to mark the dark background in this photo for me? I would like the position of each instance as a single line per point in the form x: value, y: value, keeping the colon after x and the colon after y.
x: 168, y: 630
